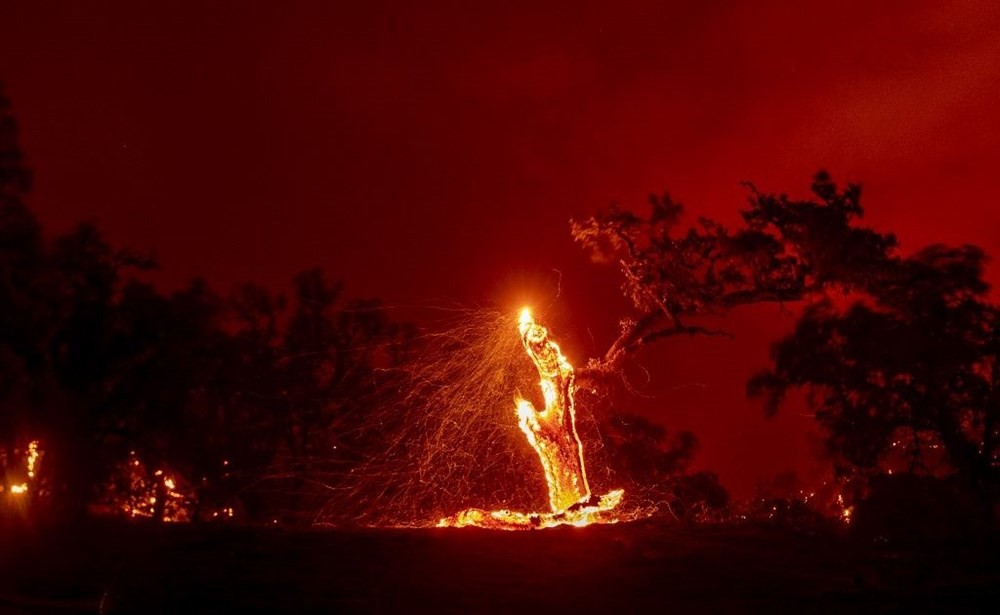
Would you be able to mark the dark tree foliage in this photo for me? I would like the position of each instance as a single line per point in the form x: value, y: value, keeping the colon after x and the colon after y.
x: 221, y: 392
x: 87, y: 351
x: 26, y: 306
x: 15, y: 178
x: 898, y: 353
x: 333, y: 358
x: 785, y: 250
x: 904, y: 374
x: 656, y: 465
x: 330, y: 353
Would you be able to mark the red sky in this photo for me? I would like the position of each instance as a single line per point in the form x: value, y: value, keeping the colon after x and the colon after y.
x: 434, y: 155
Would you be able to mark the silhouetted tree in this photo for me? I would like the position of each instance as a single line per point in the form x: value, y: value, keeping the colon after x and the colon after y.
x: 330, y: 351
x: 91, y: 354
x: 903, y: 375
x: 331, y: 361
x: 784, y: 251
x: 20, y: 244
x: 899, y: 354
x: 25, y: 296
x: 657, y: 464
x: 238, y: 413
x: 104, y: 368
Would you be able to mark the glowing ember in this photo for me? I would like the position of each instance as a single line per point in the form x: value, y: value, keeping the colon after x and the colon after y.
x: 29, y: 478
x: 845, y: 511
x: 138, y: 493
x: 33, y: 456
x: 552, y: 433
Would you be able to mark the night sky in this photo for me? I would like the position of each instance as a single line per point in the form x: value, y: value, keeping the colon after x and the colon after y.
x: 432, y: 156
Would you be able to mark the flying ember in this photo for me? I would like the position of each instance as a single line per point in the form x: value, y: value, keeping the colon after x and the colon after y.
x: 552, y: 433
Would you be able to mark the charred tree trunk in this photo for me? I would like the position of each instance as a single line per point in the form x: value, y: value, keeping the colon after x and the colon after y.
x: 552, y: 431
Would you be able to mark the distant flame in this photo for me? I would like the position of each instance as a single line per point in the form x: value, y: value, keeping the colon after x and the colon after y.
x: 136, y: 492
x: 31, y: 460
x: 33, y: 456
x: 552, y: 433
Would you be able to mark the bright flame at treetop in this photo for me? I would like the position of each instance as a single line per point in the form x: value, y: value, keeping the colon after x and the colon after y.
x: 552, y: 433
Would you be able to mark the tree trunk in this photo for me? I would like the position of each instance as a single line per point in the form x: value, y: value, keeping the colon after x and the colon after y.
x: 552, y: 432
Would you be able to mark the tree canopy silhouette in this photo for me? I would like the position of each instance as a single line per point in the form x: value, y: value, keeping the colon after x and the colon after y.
x: 902, y: 375
x: 898, y: 353
x: 103, y: 368
x: 784, y: 251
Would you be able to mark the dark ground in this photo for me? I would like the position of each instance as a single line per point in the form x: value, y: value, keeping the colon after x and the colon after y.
x: 612, y: 569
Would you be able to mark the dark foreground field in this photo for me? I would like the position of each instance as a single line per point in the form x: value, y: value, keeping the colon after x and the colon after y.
x: 614, y: 569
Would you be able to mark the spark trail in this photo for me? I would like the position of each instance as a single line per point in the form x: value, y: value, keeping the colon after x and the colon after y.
x: 552, y: 434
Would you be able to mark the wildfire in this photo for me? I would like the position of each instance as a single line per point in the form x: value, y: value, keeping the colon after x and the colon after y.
x: 845, y: 511
x: 33, y: 456
x: 138, y: 493
x: 31, y: 460
x: 552, y: 433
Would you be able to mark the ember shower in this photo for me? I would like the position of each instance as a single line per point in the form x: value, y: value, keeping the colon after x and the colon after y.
x: 552, y: 433
x: 449, y: 437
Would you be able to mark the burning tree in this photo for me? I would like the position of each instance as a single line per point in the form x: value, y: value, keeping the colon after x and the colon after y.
x: 552, y: 433
x: 785, y: 251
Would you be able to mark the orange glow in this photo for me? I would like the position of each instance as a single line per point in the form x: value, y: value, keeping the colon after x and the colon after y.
x: 552, y: 431
x: 33, y: 456
x: 137, y: 492
x: 552, y: 434
x: 845, y: 511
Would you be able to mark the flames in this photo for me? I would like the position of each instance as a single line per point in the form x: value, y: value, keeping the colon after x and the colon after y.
x: 136, y: 491
x: 32, y: 455
x: 552, y: 433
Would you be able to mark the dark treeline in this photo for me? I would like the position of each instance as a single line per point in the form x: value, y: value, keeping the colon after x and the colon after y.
x: 126, y: 388
x: 899, y: 354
